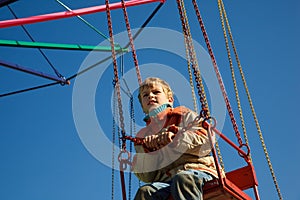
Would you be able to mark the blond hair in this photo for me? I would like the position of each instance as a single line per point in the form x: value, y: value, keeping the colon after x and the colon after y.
x: 150, y: 82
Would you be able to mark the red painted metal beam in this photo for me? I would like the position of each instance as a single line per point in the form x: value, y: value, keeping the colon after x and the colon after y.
x: 240, y: 151
x: 66, y: 14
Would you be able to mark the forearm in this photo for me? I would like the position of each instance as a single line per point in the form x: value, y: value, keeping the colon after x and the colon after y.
x: 192, y: 142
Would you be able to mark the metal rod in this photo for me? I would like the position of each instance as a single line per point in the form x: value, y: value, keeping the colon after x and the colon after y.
x: 33, y: 72
x: 213, y: 150
x: 44, y: 45
x: 255, y: 190
x: 6, y: 2
x: 83, y: 20
x: 66, y: 14
x: 230, y: 142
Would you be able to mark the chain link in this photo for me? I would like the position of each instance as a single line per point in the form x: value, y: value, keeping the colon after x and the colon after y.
x: 123, y: 162
x: 116, y: 77
x: 204, y: 112
x: 192, y: 55
x: 134, y: 55
x: 228, y: 106
x: 222, y: 8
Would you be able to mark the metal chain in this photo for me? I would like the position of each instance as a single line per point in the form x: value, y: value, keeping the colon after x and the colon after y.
x: 189, y: 58
x: 123, y: 162
x: 116, y: 77
x: 113, y: 150
x: 228, y: 106
x: 191, y: 80
x: 132, y: 132
x: 196, y: 70
x: 134, y: 55
x: 251, y: 103
x: 221, y: 12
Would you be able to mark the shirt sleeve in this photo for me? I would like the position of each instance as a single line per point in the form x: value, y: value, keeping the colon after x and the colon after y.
x: 195, y: 140
x: 145, y: 165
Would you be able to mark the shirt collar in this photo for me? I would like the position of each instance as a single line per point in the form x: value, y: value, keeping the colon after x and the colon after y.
x: 157, y: 110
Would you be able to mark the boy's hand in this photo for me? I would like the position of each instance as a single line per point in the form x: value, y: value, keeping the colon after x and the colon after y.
x: 155, y: 142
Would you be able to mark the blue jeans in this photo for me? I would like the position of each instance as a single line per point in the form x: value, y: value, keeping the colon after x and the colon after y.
x: 186, y: 185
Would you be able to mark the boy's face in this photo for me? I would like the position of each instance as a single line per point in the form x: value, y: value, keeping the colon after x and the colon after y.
x: 153, y: 97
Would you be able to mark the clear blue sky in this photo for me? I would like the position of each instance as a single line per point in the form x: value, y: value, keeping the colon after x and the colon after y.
x: 52, y: 144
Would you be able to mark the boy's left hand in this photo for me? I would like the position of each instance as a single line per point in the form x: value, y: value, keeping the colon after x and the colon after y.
x: 159, y: 140
x: 165, y: 137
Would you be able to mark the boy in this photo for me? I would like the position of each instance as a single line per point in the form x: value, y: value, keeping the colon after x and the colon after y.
x: 172, y: 164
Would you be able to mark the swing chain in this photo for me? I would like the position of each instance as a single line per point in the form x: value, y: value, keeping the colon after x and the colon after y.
x: 232, y: 118
x: 134, y: 55
x: 196, y: 71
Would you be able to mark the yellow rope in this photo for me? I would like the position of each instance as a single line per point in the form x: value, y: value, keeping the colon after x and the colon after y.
x: 189, y: 59
x: 222, y: 11
x: 251, y: 104
x: 188, y: 38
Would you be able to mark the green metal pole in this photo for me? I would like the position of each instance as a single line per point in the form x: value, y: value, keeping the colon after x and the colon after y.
x: 44, y: 45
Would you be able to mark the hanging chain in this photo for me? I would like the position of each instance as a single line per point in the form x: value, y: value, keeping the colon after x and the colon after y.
x: 132, y: 131
x: 116, y: 77
x: 199, y: 84
x: 131, y: 43
x: 221, y: 11
x: 191, y: 82
x: 228, y: 106
x: 189, y: 58
x: 250, y: 101
x: 113, y: 149
x: 186, y: 24
x: 123, y: 161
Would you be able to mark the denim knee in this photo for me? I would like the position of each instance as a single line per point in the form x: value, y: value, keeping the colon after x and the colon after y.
x: 188, y: 184
x: 156, y: 190
x: 144, y: 192
x: 187, y: 179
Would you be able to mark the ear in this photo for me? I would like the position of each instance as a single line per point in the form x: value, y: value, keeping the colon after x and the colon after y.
x: 171, y: 99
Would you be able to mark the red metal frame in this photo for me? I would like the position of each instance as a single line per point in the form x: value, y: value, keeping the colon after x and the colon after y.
x: 66, y: 14
x: 232, y: 185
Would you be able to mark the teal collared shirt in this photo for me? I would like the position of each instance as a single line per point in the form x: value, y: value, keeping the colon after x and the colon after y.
x: 156, y: 111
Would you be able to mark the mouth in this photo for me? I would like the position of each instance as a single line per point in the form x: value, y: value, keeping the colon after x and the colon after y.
x: 152, y: 102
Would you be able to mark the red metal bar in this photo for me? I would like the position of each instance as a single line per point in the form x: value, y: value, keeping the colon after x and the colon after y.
x: 226, y: 139
x: 224, y: 182
x: 213, y: 150
x: 123, y: 184
x: 230, y: 142
x: 65, y: 14
x: 255, y: 190
x: 33, y: 72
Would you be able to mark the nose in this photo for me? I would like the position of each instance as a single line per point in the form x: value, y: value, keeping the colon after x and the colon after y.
x: 151, y: 95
